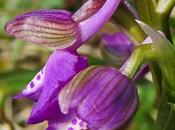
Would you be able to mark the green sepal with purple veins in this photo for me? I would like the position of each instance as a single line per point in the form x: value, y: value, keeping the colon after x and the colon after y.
x: 164, y: 56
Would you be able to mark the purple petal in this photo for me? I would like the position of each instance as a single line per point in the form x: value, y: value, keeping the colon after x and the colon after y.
x: 116, y: 48
x: 60, y: 68
x: 35, y: 87
x: 102, y: 97
x: 88, y: 9
x: 141, y: 73
x: 131, y: 8
x: 51, y: 28
x: 93, y: 24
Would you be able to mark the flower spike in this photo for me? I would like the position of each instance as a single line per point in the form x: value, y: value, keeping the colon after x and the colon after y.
x: 101, y: 96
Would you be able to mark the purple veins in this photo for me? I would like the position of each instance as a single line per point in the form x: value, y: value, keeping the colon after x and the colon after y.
x: 88, y: 9
x: 101, y: 96
x: 116, y: 48
x: 60, y: 29
x: 51, y: 28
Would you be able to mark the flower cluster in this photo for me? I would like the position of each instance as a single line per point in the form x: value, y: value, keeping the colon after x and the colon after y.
x: 68, y: 93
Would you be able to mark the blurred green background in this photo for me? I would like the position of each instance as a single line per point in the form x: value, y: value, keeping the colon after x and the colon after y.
x: 20, y: 61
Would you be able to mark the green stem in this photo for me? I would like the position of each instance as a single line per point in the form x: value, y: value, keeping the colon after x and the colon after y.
x: 3, y: 115
x: 156, y: 14
x: 166, y: 114
x: 146, y: 10
x: 140, y: 56
x: 171, y: 118
x: 126, y: 19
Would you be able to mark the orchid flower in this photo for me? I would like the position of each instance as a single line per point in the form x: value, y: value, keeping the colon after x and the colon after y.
x: 102, y: 97
x: 116, y: 48
x: 60, y: 29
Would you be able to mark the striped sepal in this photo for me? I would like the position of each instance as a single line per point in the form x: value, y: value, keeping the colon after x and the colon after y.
x: 51, y: 28
x: 88, y: 9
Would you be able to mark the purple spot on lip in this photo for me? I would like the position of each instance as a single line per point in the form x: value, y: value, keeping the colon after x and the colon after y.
x: 74, y: 121
x: 70, y: 128
x: 38, y: 77
x: 81, y: 124
x: 32, y: 84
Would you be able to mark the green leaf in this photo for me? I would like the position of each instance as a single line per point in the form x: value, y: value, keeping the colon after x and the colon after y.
x: 156, y: 14
x: 163, y: 113
x: 170, y: 122
x: 95, y: 61
x: 164, y: 56
x: 13, y: 82
x: 147, y: 96
x: 166, y: 114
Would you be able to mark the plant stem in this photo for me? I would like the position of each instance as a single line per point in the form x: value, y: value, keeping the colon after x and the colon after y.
x: 6, y: 120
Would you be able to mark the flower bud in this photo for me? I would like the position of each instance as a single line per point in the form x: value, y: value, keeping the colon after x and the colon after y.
x: 116, y: 48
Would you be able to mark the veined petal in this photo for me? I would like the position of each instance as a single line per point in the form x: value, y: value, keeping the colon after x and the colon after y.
x: 116, y: 48
x: 88, y: 9
x: 60, y: 68
x: 51, y: 28
x: 102, y: 97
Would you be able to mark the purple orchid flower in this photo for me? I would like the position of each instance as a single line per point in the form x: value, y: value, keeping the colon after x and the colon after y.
x: 60, y: 28
x: 116, y: 48
x: 44, y: 88
x: 102, y: 97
